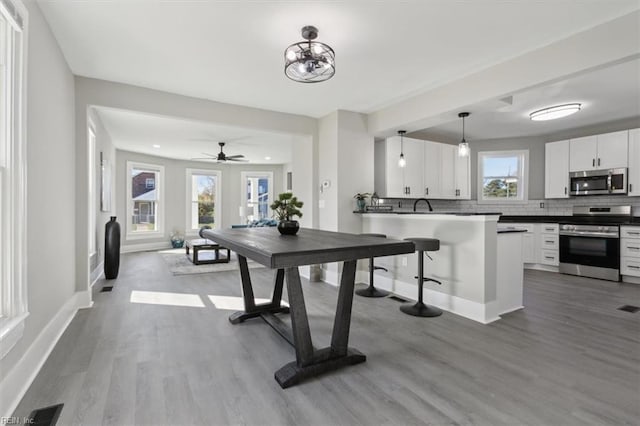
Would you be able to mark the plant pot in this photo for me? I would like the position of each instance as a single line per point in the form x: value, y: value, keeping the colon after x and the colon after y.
x: 361, y: 204
x: 288, y: 227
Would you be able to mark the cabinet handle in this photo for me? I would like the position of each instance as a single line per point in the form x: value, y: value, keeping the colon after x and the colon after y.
x: 598, y: 161
x: 426, y: 191
x: 633, y: 248
x: 565, y: 190
x: 549, y: 229
x: 549, y: 257
x: 409, y: 190
x: 633, y: 233
x: 633, y: 267
x: 593, y: 162
x: 549, y: 241
x: 630, y: 187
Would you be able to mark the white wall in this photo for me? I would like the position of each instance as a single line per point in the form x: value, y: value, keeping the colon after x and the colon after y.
x: 91, y: 92
x: 104, y: 145
x: 175, y: 195
x: 51, y: 203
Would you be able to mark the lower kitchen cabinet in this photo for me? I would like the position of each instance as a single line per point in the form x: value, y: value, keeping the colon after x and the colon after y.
x: 630, y: 251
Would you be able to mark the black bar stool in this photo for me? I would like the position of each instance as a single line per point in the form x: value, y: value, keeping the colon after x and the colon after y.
x: 371, y: 291
x: 420, y: 309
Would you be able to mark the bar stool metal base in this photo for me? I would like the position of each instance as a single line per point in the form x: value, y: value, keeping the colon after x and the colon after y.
x: 371, y: 291
x: 421, y: 310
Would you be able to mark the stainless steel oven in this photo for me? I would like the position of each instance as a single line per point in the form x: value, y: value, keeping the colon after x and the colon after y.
x: 598, y: 182
x: 590, y: 250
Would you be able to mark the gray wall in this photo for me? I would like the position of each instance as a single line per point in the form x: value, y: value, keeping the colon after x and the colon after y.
x: 175, y: 191
x: 50, y: 215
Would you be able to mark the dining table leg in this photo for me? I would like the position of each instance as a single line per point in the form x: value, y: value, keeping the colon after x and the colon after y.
x: 251, y: 309
x: 309, y: 361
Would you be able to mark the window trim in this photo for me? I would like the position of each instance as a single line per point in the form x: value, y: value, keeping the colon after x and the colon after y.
x: 524, y: 173
x: 13, y: 227
x: 159, y: 232
x: 254, y: 173
x: 218, y: 201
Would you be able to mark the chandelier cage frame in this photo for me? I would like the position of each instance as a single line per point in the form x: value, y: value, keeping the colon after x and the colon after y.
x: 309, y: 61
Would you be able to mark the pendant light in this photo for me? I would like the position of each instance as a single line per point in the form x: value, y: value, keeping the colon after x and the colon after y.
x: 463, y: 146
x: 401, y: 161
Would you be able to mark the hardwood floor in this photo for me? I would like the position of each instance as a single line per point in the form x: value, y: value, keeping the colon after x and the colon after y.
x: 570, y: 357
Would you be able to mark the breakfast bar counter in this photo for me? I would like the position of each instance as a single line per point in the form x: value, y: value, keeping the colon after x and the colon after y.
x: 481, y: 271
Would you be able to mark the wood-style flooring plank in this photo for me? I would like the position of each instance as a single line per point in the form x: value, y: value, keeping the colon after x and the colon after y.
x: 569, y: 358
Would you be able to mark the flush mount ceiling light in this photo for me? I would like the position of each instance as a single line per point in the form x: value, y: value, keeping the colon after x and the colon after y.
x: 401, y: 161
x: 551, y: 113
x: 309, y: 61
x: 463, y: 146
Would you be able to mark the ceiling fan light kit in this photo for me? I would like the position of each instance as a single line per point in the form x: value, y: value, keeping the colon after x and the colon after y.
x: 222, y: 157
x: 463, y: 146
x: 309, y: 61
x: 553, y: 112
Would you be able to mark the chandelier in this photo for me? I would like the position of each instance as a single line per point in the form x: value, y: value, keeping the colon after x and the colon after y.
x: 309, y: 61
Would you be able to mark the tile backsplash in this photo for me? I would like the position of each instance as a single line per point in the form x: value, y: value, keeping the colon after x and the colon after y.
x: 555, y: 207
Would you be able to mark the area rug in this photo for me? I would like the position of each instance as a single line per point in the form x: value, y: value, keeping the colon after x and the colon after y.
x: 180, y: 264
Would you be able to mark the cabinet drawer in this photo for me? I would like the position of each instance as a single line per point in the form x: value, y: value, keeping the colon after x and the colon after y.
x: 630, y: 266
x: 630, y: 232
x: 549, y: 242
x: 549, y: 228
x: 630, y: 247
x: 549, y: 257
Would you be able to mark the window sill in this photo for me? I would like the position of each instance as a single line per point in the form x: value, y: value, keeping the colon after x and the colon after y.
x: 11, y: 331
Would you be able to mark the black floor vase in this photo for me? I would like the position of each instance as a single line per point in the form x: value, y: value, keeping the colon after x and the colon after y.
x: 111, y: 249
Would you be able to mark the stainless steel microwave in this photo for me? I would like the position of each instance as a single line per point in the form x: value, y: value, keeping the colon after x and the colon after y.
x: 598, y: 182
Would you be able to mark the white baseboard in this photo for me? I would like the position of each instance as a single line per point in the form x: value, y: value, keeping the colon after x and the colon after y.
x: 17, y: 381
x: 132, y: 248
x: 630, y: 279
x: 97, y: 274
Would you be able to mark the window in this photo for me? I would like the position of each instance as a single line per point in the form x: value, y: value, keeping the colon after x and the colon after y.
x: 203, y: 199
x: 257, y: 194
x: 145, y: 209
x: 502, y: 176
x: 13, y: 296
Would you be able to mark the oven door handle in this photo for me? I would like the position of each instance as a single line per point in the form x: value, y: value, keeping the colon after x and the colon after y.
x: 589, y: 234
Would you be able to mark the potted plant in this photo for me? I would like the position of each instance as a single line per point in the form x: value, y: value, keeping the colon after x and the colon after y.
x: 361, y: 200
x: 285, y: 208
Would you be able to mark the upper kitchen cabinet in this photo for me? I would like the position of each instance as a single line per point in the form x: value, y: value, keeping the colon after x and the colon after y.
x: 556, y: 169
x: 455, y: 174
x: 432, y: 169
x: 403, y: 182
x: 463, y: 176
x: 634, y: 163
x: 606, y: 151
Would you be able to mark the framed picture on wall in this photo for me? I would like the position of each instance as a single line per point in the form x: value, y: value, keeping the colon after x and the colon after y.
x: 105, y: 184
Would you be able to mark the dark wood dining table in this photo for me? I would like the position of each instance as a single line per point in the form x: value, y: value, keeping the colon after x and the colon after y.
x: 284, y: 254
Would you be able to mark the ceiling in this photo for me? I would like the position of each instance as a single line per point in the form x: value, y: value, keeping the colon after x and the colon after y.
x: 606, y: 95
x: 232, y: 51
x: 186, y: 140
x: 386, y: 51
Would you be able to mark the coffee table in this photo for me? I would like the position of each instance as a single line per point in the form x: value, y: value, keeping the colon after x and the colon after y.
x: 201, y: 244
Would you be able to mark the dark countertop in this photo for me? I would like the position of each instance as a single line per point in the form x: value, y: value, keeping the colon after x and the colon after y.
x: 633, y: 221
x: 423, y: 212
x: 510, y: 231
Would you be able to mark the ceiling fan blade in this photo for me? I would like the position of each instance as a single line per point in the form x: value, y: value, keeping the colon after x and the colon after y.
x: 235, y: 156
x: 202, y: 158
x: 237, y: 159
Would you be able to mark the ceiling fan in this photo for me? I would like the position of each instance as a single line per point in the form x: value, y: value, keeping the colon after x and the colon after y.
x: 221, y: 157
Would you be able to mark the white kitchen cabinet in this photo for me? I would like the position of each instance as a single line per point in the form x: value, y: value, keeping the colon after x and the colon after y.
x: 448, y: 180
x: 613, y: 150
x: 583, y: 153
x: 394, y: 176
x: 630, y: 250
x: 556, y: 169
x: 432, y: 169
x: 413, y: 172
x: 606, y: 151
x: 548, y: 243
x: 529, y: 248
x: 634, y: 163
x: 463, y: 181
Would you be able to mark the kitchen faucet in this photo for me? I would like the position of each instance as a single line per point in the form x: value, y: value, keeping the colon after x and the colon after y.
x: 422, y: 199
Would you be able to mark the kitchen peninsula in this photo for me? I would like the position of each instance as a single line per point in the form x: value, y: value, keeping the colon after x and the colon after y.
x: 481, y: 270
